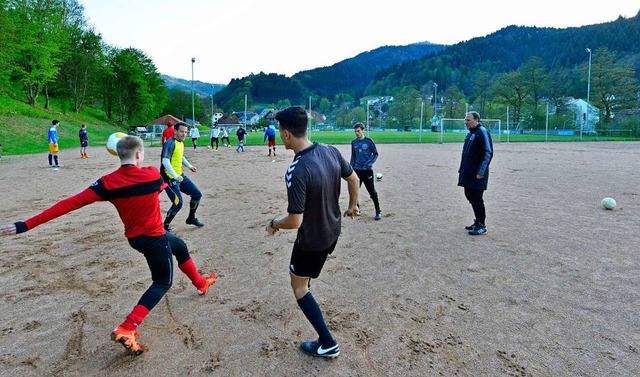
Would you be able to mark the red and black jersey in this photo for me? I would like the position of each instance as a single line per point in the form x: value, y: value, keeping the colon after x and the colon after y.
x: 133, y: 190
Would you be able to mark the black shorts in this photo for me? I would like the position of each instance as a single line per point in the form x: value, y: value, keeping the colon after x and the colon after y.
x: 308, y: 264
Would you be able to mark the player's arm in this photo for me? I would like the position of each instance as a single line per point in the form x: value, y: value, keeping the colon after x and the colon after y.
x: 352, y: 160
x: 353, y: 188
x: 186, y: 163
x: 488, y: 153
x: 290, y: 221
x: 374, y: 154
x: 63, y: 207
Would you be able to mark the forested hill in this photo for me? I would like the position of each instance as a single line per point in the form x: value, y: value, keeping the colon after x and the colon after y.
x: 348, y: 76
x: 559, y: 50
x: 385, y: 70
x: 353, y: 75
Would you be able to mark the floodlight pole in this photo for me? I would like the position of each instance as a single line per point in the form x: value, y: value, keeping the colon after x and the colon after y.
x: 212, y: 88
x: 586, y: 118
x: 193, y: 96
x: 546, y: 130
x: 421, y: 112
x: 368, y: 102
x: 435, y: 110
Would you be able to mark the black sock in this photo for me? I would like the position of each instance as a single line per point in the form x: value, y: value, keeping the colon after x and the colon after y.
x: 311, y: 310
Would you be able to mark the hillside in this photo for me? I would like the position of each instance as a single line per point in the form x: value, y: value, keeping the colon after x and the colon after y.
x: 203, y: 89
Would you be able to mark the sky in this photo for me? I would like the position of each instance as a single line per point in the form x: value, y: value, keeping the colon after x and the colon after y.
x: 235, y: 38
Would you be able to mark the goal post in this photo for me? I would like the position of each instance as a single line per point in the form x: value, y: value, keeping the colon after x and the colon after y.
x: 454, y: 129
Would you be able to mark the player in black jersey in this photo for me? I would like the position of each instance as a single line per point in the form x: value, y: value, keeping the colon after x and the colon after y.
x: 313, y: 183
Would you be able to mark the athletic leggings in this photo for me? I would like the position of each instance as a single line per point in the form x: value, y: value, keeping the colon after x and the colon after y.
x: 474, y: 196
x: 157, y: 251
x: 366, y: 177
x: 176, y: 189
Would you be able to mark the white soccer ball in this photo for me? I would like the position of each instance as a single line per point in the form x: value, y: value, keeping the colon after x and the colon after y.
x: 112, y: 141
x: 609, y: 203
x: 379, y: 176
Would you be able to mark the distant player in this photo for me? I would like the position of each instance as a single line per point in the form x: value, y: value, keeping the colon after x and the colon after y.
x: 225, y: 137
x: 270, y: 135
x: 168, y: 132
x: 84, y: 141
x: 53, y: 143
x: 241, y: 133
x: 134, y: 191
x: 214, y: 137
x: 172, y: 160
x: 363, y: 155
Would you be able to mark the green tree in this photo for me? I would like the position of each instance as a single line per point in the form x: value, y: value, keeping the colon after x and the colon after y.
x: 481, y: 91
x: 613, y: 87
x: 405, y: 107
x: 40, y: 25
x: 509, y: 90
x: 80, y: 69
x: 454, y: 102
x: 8, y: 44
x: 534, y: 77
x: 139, y: 91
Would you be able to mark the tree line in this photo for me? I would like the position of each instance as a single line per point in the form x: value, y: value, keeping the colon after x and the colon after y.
x: 47, y: 50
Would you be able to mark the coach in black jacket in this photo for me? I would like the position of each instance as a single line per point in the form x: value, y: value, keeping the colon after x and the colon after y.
x: 477, y: 153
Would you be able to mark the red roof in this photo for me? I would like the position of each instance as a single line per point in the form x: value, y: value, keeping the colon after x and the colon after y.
x: 165, y: 119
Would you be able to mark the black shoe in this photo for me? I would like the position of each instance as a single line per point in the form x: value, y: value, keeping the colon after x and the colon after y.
x: 471, y: 226
x: 195, y: 222
x: 478, y: 230
x: 315, y: 348
x: 378, y: 216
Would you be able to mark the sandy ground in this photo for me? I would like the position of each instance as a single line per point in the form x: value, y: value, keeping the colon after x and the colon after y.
x: 551, y: 290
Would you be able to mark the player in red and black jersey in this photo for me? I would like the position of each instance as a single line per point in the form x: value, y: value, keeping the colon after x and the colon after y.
x: 134, y: 191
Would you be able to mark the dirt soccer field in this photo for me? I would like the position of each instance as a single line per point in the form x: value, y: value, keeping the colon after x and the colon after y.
x: 552, y: 290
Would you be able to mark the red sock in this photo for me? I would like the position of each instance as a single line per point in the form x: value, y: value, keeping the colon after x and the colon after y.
x: 189, y: 269
x: 135, y: 318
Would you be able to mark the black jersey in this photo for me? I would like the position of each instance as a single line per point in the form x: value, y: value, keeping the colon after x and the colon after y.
x: 313, y: 183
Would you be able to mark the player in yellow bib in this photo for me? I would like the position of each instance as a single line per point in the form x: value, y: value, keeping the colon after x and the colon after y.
x: 172, y: 160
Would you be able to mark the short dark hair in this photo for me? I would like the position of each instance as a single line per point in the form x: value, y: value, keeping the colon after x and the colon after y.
x: 177, y: 125
x: 293, y: 119
x: 358, y: 125
x: 55, y: 121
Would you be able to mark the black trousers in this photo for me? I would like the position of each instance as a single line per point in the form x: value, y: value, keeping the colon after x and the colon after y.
x: 474, y: 196
x: 366, y: 177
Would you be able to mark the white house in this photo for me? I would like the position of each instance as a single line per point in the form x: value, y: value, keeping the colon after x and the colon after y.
x: 587, y: 115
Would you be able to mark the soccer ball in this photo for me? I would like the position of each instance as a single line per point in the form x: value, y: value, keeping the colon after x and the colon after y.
x: 609, y: 203
x: 378, y: 176
x: 113, y: 141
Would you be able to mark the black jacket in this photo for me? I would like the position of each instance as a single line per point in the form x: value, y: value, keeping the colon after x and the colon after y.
x: 477, y: 153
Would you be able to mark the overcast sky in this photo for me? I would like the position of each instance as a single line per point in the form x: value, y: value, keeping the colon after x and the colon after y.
x: 234, y: 38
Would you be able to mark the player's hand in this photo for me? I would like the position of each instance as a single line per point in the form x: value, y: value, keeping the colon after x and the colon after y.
x: 179, y: 179
x: 193, y: 169
x: 478, y: 176
x: 271, y: 231
x: 8, y: 229
x: 352, y: 212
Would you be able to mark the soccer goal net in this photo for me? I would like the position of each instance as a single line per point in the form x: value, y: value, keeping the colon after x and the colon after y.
x: 455, y: 130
